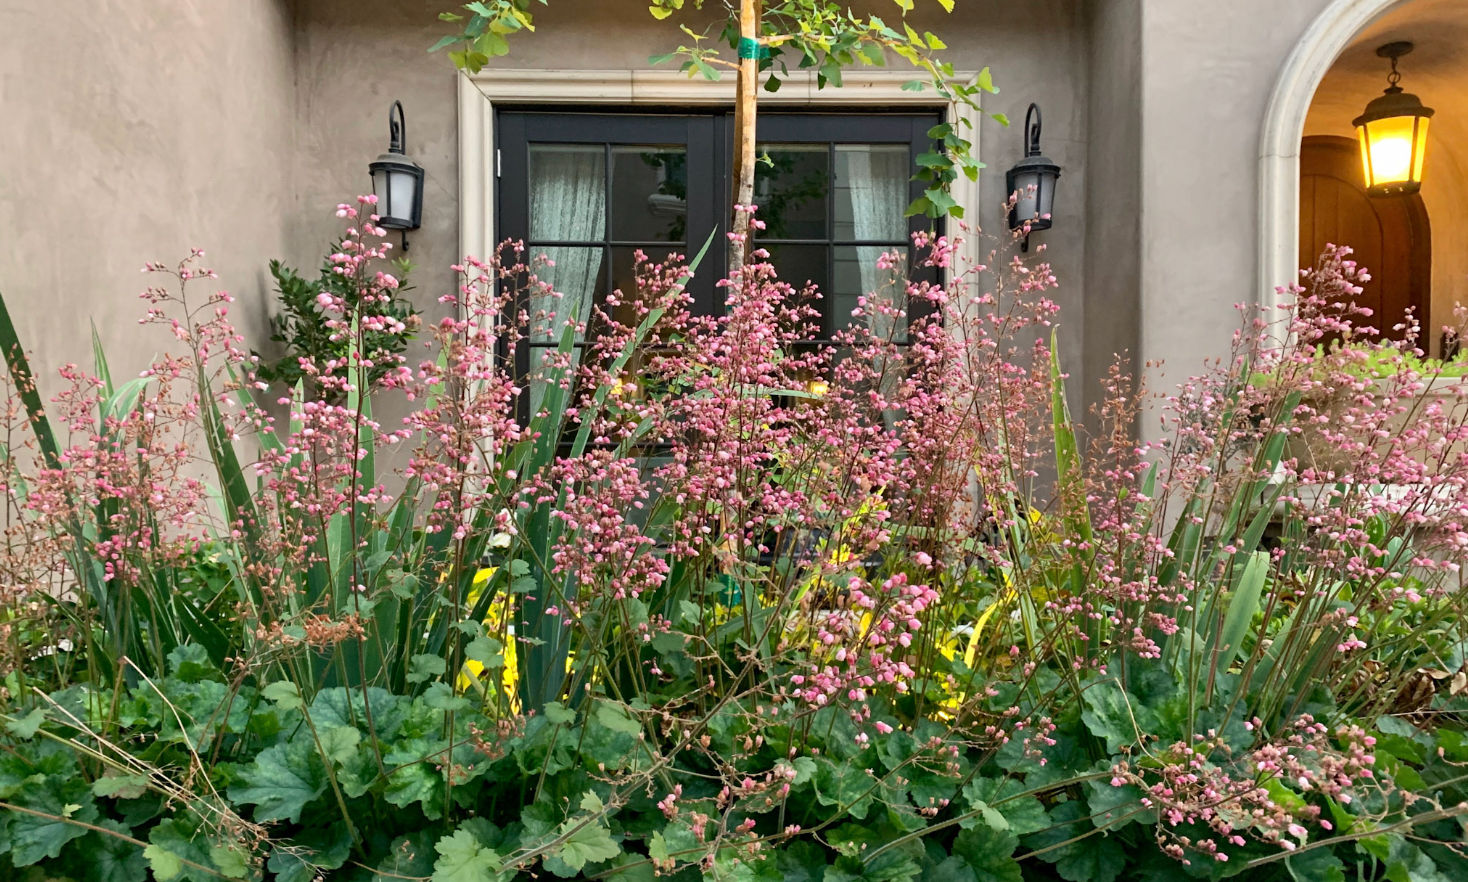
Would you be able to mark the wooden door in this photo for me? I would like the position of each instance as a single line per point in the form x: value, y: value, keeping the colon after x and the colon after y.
x: 1390, y: 235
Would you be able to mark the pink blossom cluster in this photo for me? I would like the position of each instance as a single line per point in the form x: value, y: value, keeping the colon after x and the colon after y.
x: 1263, y: 794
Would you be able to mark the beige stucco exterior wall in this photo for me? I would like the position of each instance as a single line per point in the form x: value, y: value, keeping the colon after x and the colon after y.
x: 1207, y: 73
x: 1114, y: 191
x: 239, y: 126
x: 134, y: 131
x: 356, y: 56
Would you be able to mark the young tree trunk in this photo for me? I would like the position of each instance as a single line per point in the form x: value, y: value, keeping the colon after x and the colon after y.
x: 744, y: 117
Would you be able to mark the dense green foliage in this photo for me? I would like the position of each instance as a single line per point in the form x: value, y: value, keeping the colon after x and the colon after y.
x: 726, y: 626
x: 301, y: 327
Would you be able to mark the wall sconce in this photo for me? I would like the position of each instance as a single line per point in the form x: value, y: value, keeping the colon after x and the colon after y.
x: 1393, y: 134
x: 1032, y: 183
x: 397, y: 180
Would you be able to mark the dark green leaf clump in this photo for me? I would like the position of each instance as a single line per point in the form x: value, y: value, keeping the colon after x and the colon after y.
x: 303, y: 326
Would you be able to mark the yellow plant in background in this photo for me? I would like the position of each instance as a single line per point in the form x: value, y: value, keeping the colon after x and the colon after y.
x: 471, y: 675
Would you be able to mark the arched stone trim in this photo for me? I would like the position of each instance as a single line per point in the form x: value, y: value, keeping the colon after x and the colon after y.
x: 1284, y: 125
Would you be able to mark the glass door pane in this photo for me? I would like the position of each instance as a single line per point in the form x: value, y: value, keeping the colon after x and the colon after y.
x: 871, y: 192
x: 568, y: 193
x: 649, y: 194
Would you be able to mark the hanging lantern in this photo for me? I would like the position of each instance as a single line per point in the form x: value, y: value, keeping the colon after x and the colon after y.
x: 1031, y: 183
x: 397, y: 180
x: 1393, y: 134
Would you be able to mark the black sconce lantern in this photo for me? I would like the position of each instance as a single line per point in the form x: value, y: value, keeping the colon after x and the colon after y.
x: 397, y: 180
x: 1032, y: 183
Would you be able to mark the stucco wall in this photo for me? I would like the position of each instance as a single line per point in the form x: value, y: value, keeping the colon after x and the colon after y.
x: 1208, y: 71
x: 1114, y: 191
x: 134, y: 131
x: 356, y: 56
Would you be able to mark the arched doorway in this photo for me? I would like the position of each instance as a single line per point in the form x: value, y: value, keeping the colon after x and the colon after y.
x: 1390, y: 236
x: 1333, y: 72
x: 1284, y: 126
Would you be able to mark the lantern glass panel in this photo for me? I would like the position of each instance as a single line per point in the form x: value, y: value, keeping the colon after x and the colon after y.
x: 1389, y: 149
x: 1045, y: 196
x: 1419, y: 149
x: 381, y: 190
x: 402, y: 186
x: 1027, y: 187
x: 397, y: 190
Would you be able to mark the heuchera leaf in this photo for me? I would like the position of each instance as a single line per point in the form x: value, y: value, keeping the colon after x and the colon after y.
x: 1109, y: 714
x: 1094, y: 858
x: 1022, y: 814
x: 59, y: 801
x: 441, y: 696
x: 559, y: 714
x: 174, y: 847
x: 318, y: 848
x: 590, y: 843
x: 166, y: 865
x: 463, y: 858
x: 281, y: 781
x: 426, y: 666
x: 414, y: 781
x: 989, y: 852
x: 112, y: 858
x: 614, y: 717
x: 410, y: 856
x: 25, y: 727
x: 285, y: 694
x: 1115, y: 807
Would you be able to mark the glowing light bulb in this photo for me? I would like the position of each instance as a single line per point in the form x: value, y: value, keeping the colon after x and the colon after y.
x: 1391, y: 159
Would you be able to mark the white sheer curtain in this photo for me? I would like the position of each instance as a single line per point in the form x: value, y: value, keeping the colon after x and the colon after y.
x: 567, y: 204
x: 877, y: 178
